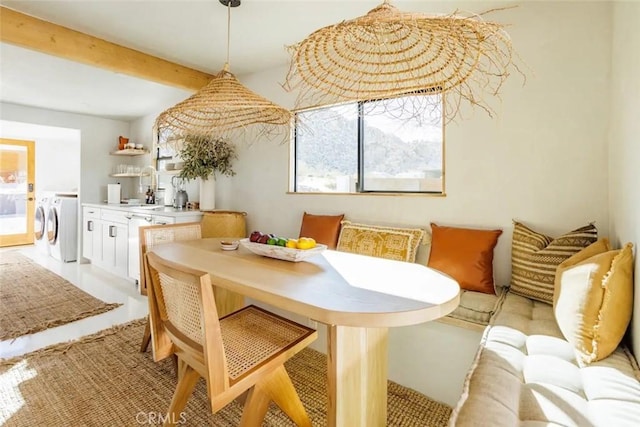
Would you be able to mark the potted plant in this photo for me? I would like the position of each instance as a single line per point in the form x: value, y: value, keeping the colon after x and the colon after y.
x: 203, y: 158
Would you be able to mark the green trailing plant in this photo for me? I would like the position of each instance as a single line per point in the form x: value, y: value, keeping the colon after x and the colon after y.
x: 203, y: 157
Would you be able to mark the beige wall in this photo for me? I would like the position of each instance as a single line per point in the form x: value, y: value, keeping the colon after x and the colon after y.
x: 624, y: 150
x: 541, y: 160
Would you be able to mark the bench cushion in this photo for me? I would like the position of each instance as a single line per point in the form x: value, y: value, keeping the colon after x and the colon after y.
x: 526, y: 374
x: 475, y: 309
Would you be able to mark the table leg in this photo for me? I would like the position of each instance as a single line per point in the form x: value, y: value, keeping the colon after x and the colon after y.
x: 357, y: 376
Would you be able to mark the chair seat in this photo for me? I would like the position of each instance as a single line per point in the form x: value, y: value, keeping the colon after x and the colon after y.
x: 253, y: 336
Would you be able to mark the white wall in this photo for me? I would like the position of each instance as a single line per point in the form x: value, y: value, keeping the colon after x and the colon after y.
x: 542, y: 160
x: 624, y: 152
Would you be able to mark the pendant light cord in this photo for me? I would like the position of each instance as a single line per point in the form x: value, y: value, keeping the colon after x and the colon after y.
x: 226, y: 64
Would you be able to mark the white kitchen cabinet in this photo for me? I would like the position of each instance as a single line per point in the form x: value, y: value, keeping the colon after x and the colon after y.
x: 111, y: 234
x: 91, y: 233
x: 163, y: 220
x: 114, y: 242
x: 114, y: 248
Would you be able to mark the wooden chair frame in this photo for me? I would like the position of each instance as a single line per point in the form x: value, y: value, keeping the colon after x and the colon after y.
x: 264, y: 382
x: 144, y: 289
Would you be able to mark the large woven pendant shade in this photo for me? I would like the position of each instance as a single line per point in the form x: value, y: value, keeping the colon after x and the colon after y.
x: 387, y: 53
x: 224, y: 108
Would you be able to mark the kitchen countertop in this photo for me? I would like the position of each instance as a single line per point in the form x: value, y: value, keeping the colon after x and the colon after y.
x: 145, y: 209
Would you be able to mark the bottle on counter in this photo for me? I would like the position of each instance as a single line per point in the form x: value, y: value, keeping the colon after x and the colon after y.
x: 150, y: 197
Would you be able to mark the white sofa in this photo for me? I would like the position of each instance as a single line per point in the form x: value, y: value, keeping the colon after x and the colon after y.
x: 526, y: 374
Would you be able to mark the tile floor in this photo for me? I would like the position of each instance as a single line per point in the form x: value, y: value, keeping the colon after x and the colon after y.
x: 93, y: 280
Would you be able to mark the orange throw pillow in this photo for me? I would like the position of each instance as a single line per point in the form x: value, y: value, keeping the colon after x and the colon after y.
x: 466, y: 255
x: 324, y: 229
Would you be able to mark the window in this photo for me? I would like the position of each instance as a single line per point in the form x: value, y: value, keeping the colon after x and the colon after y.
x: 370, y: 147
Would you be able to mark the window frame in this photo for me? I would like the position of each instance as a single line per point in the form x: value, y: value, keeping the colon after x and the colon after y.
x: 293, y: 161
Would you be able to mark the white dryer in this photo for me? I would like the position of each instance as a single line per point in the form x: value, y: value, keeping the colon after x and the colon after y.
x: 43, y: 203
x: 62, y: 228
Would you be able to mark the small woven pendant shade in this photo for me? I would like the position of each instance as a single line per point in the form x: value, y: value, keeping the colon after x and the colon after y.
x: 224, y: 108
x: 387, y: 53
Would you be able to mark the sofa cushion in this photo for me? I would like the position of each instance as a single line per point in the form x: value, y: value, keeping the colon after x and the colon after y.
x: 475, y: 309
x: 323, y: 229
x: 380, y: 241
x: 465, y: 254
x: 593, y: 300
x: 525, y: 373
x: 535, y: 258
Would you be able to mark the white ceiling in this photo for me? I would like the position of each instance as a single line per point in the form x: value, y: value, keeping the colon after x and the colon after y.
x: 188, y: 32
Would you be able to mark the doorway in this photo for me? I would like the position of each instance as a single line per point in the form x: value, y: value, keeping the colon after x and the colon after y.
x: 17, y: 201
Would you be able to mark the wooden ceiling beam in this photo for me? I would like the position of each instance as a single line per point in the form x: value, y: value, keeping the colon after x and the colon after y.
x: 32, y: 33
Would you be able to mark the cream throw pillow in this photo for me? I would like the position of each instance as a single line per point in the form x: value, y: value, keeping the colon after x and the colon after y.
x: 593, y: 299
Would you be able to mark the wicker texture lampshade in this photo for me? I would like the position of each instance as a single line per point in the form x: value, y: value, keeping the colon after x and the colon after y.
x: 222, y: 107
x: 387, y: 53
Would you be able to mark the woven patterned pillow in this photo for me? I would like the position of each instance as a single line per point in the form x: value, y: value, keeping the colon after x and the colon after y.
x: 535, y: 258
x: 383, y: 242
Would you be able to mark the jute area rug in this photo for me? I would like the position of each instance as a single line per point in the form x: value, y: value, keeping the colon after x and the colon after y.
x: 33, y: 298
x: 103, y: 380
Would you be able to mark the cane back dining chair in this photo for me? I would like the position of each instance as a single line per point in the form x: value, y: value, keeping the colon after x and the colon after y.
x: 154, y: 235
x: 242, y: 352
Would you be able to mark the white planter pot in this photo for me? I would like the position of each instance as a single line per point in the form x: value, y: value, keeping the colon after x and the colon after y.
x: 208, y: 194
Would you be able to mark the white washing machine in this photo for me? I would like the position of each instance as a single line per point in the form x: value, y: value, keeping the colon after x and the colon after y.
x: 43, y: 203
x: 62, y: 228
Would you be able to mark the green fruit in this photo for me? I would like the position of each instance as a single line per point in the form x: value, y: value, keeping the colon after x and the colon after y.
x: 272, y: 241
x: 281, y: 242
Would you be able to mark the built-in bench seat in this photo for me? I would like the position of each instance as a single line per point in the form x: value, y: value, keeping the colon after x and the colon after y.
x: 475, y: 309
x: 526, y: 374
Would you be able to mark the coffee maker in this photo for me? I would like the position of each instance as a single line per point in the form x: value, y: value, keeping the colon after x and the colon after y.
x: 180, y: 196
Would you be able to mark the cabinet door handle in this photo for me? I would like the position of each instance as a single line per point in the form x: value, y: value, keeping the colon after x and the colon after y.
x: 89, y: 225
x: 161, y: 223
x: 113, y: 231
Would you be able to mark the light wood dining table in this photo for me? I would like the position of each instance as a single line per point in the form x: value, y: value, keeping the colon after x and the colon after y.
x: 358, y: 297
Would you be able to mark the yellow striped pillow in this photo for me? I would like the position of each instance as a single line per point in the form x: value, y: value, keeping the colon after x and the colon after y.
x: 535, y: 258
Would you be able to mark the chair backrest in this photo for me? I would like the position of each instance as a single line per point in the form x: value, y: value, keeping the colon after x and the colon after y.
x: 153, y: 235
x: 186, y: 311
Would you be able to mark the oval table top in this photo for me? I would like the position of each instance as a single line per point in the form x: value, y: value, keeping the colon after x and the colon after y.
x: 335, y: 288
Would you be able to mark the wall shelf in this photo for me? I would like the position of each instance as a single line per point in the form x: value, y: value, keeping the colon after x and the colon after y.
x: 127, y: 175
x: 170, y: 172
x: 129, y: 152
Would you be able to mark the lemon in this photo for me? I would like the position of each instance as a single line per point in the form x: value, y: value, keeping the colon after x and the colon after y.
x: 306, y: 243
x: 292, y: 243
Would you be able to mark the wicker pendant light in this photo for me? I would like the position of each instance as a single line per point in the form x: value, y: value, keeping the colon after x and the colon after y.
x: 224, y: 108
x: 388, y: 53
